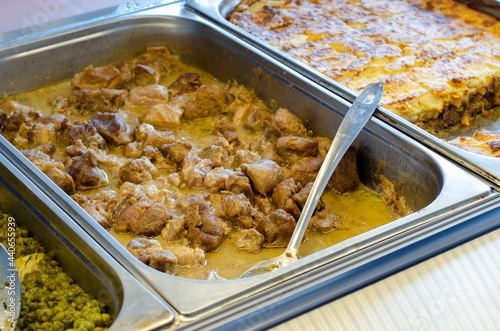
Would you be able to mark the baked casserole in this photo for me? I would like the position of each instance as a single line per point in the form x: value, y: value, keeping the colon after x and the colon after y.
x: 439, y: 61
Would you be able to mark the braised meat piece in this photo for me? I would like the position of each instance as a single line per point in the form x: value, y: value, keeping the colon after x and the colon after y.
x: 264, y: 174
x: 138, y: 171
x: 164, y: 261
x: 193, y: 257
x: 147, y: 96
x: 203, y: 229
x: 100, y: 206
x: 163, y: 117
x: 143, y: 248
x: 285, y: 122
x: 145, y: 75
x: 194, y: 170
x: 85, y: 172
x: 239, y: 183
x: 345, y: 177
x: 324, y: 221
x: 210, y: 100
x: 397, y: 204
x: 283, y: 196
x: 174, y: 230
x: 293, y: 149
x: 216, y: 154
x: 42, y: 160
x: 93, y: 101
x: 186, y: 83
x: 215, y: 179
x: 95, y: 78
x: 57, y: 120
x: 143, y: 218
x: 158, y: 59
x: 303, y: 194
x: 20, y: 117
x: 10, y: 106
x: 306, y: 169
x: 112, y: 127
x: 158, y: 139
x: 177, y: 151
x: 258, y: 119
x: 237, y: 208
x: 249, y: 240
x: 62, y: 179
x: 42, y: 134
x: 141, y: 130
x: 87, y: 133
x: 277, y: 227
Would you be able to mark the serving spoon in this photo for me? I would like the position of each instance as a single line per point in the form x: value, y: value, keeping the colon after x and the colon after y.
x: 352, y: 124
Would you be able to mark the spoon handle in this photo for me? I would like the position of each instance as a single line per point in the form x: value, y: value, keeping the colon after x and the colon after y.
x: 354, y: 121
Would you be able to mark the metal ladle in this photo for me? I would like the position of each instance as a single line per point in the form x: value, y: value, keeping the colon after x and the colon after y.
x: 352, y: 124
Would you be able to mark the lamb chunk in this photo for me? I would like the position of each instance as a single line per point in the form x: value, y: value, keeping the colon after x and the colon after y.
x: 143, y: 248
x: 277, y: 227
x: 46, y: 149
x: 101, y: 206
x: 265, y: 206
x: 132, y: 150
x: 177, y: 151
x: 10, y: 106
x: 85, y: 172
x: 188, y: 257
x: 62, y: 179
x: 345, y: 177
x: 95, y: 78
x: 323, y: 146
x: 216, y: 154
x: 249, y: 240
x: 292, y: 149
x: 145, y: 75
x: 239, y: 109
x: 20, y: 117
x: 194, y: 170
x: 42, y: 160
x: 222, y: 142
x: 258, y: 119
x: 285, y: 122
x: 164, y: 261
x: 324, y: 221
x: 112, y: 127
x: 397, y: 204
x: 173, y: 230
x: 215, y: 179
x: 203, y: 228
x: 87, y: 133
x: 89, y: 101
x: 147, y: 96
x: 306, y: 170
x: 141, y: 130
x: 210, y: 100
x: 186, y: 83
x: 174, y: 179
x: 42, y: 134
x: 158, y: 139
x: 302, y: 195
x: 152, y: 153
x: 158, y: 59
x: 163, y: 117
x: 3, y: 117
x: 243, y: 156
x: 223, y: 125
x: 138, y: 171
x: 57, y: 120
x: 282, y: 196
x: 125, y: 71
x: 238, y: 209
x: 264, y: 174
x: 143, y: 218
x: 239, y: 183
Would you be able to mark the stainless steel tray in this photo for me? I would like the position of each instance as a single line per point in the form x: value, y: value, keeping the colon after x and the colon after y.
x: 487, y: 167
x: 433, y: 185
x: 80, y: 256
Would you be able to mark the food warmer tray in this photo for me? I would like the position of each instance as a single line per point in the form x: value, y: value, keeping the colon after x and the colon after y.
x: 88, y: 264
x: 432, y: 185
x: 487, y: 167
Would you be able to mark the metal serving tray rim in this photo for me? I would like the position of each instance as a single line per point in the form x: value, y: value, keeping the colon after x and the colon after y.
x: 229, y: 291
x: 215, y: 11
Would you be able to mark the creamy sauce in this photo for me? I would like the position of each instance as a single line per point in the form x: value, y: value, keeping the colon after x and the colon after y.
x: 360, y: 210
